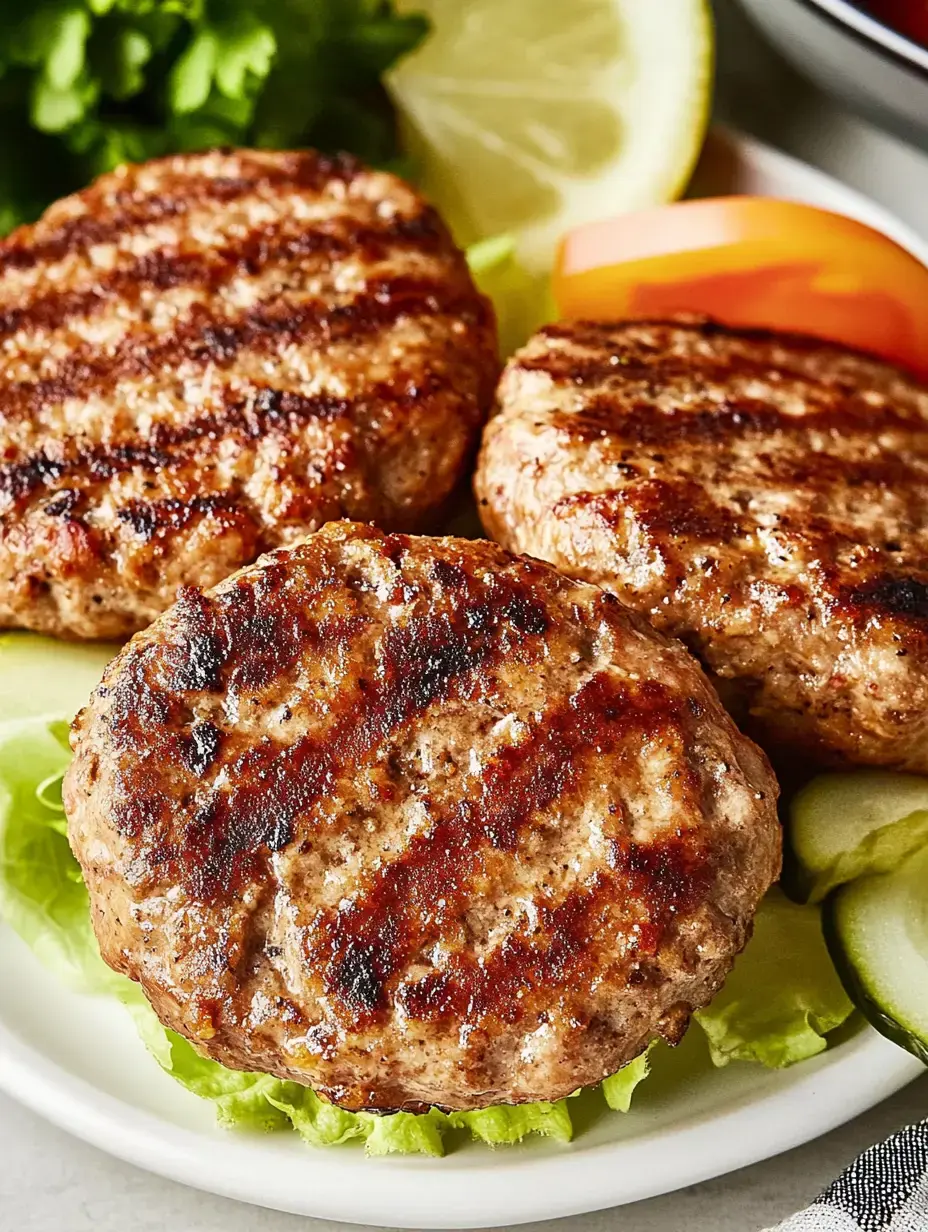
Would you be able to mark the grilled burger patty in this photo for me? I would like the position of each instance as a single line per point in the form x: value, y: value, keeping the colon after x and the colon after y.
x: 209, y: 355
x: 417, y: 822
x: 762, y: 497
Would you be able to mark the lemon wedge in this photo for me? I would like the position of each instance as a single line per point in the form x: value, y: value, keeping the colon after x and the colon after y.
x: 528, y: 117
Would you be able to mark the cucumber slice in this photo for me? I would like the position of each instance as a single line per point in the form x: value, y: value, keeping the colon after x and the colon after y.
x: 844, y: 826
x: 40, y: 676
x: 877, y: 933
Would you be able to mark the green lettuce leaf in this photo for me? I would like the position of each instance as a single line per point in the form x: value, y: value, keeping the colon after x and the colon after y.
x: 102, y: 81
x: 42, y: 896
x: 487, y: 256
x: 522, y: 301
x: 781, y: 1000
x: 506, y: 1124
x: 783, y: 996
x: 620, y: 1088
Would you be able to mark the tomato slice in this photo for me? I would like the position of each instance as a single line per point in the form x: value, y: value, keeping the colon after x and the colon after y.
x: 752, y: 261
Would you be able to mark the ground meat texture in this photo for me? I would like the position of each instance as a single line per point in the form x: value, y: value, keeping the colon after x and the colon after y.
x: 763, y: 497
x: 417, y: 822
x: 210, y: 355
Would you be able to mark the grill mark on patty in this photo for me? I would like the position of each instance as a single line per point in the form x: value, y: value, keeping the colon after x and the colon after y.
x: 677, y: 509
x: 262, y: 329
x: 64, y: 505
x: 250, y: 417
x: 177, y: 196
x: 202, y: 747
x: 246, y: 640
x: 209, y: 270
x: 899, y: 596
x: 247, y: 416
x: 98, y: 442
x: 622, y: 372
x: 821, y: 473
x: 729, y: 420
x: 682, y: 511
x: 94, y: 464
x: 414, y: 900
x: 604, y: 334
x: 663, y: 880
x: 430, y: 658
x: 148, y: 708
x: 151, y: 519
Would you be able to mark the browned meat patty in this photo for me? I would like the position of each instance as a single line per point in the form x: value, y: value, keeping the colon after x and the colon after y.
x: 762, y: 497
x: 417, y: 822
x: 207, y: 356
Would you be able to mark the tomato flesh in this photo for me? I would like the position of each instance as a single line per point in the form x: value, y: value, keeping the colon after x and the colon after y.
x: 752, y: 261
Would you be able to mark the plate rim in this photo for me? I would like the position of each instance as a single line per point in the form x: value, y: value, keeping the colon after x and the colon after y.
x: 413, y: 1192
x: 879, y: 36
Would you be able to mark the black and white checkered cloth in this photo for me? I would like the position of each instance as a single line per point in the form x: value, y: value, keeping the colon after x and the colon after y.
x: 885, y: 1190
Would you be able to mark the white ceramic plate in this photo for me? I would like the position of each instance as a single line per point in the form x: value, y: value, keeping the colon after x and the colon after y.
x: 77, y: 1060
x: 860, y: 59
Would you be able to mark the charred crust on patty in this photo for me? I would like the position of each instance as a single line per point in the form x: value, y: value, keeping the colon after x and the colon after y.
x: 209, y: 355
x: 759, y: 495
x: 505, y: 837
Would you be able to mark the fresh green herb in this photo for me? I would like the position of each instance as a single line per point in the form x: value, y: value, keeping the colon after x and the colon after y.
x: 88, y: 84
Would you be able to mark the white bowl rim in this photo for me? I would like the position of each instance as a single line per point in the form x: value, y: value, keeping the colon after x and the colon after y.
x: 854, y: 20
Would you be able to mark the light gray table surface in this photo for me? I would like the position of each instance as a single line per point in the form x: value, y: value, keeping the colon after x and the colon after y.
x: 50, y: 1182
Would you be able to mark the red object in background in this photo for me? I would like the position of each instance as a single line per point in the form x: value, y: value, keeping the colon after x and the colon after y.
x: 751, y: 261
x: 909, y: 17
